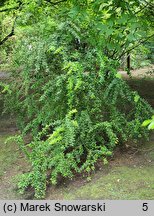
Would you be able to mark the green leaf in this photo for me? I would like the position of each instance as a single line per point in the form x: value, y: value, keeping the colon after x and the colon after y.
x: 118, y: 75
x: 131, y: 37
x: 101, y: 27
x: 105, y: 161
x: 146, y: 122
x: 109, y: 31
x: 136, y: 98
x: 151, y: 126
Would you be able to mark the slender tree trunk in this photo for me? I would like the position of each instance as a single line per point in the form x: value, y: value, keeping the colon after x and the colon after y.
x: 128, y: 61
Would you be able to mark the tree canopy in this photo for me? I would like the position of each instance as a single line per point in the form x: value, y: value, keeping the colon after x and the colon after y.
x: 126, y: 24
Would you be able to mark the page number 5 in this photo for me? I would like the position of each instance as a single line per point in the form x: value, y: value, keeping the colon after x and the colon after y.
x: 145, y: 207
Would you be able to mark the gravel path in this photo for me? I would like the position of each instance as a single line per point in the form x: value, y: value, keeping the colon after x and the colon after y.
x: 140, y: 73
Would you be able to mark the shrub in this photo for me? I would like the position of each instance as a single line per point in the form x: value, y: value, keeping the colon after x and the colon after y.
x: 69, y: 97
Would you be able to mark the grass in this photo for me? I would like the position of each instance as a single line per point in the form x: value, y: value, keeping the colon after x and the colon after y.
x: 123, y: 182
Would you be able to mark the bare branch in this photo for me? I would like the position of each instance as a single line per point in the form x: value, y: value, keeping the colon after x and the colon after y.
x: 13, y: 27
x: 135, y: 46
x: 10, y: 34
x: 149, y: 3
x: 141, y: 9
x: 55, y: 3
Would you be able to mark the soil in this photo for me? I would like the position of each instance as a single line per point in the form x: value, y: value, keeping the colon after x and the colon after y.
x: 128, y: 175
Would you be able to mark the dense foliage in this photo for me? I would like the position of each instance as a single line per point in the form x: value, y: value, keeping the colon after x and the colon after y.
x: 65, y: 88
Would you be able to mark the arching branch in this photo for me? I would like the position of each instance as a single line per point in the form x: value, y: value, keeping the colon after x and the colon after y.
x: 19, y: 3
x: 9, y: 9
